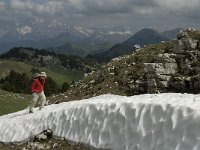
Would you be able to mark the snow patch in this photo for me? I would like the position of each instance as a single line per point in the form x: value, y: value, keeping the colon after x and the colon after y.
x: 144, y: 122
x: 24, y: 30
x: 83, y: 31
x: 120, y: 33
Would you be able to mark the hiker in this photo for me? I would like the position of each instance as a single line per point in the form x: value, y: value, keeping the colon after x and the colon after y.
x: 37, y: 90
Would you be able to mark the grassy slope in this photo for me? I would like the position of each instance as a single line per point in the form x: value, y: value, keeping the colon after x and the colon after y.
x: 11, y: 102
x: 58, y: 74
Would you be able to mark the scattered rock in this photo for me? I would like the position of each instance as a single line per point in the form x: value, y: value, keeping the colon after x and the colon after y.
x: 43, y: 136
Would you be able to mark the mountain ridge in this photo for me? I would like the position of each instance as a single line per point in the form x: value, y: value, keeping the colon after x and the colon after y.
x: 144, y: 37
x: 59, y: 35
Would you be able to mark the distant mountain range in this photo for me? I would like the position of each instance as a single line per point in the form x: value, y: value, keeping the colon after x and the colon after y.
x: 142, y: 38
x: 61, y: 37
x: 55, y: 34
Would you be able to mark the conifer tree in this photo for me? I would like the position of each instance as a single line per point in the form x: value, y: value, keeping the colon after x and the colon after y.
x: 65, y: 87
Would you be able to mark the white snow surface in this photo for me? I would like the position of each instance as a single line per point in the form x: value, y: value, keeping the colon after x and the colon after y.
x: 144, y: 122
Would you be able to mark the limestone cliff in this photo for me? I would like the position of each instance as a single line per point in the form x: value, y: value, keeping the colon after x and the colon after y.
x: 176, y: 70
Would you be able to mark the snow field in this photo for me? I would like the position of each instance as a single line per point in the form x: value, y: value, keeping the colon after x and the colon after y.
x: 143, y: 122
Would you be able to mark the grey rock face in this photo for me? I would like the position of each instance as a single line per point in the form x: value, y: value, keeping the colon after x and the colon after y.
x: 178, y: 70
x: 160, y: 68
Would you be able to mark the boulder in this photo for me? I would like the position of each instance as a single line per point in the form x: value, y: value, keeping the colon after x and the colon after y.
x: 195, y: 82
x: 166, y: 58
x: 152, y: 86
x: 182, y: 34
x: 178, y: 47
x: 162, y: 84
x: 163, y: 77
x: 160, y: 68
x: 177, y: 84
x: 44, y: 135
x: 190, y: 43
x: 198, y: 44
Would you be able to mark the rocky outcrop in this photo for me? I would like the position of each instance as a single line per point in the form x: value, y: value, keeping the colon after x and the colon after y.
x: 45, y: 141
x: 158, y: 75
x: 172, y: 66
x: 178, y: 70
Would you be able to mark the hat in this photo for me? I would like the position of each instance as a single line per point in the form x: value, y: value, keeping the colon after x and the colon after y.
x: 42, y: 74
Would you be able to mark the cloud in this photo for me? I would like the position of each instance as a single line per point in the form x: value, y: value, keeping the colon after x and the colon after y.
x: 96, y: 7
x: 129, y: 7
x: 36, y: 7
x: 180, y: 5
x: 103, y: 7
x: 2, y: 6
x: 17, y: 4
x: 130, y: 12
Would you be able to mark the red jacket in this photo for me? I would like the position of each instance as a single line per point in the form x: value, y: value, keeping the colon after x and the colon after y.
x: 37, y: 86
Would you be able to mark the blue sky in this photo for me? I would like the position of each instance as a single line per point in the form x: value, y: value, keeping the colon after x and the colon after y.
x: 138, y: 13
